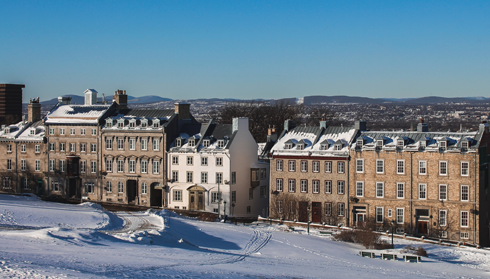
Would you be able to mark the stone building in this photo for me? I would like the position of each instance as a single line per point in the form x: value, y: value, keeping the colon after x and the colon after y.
x: 422, y: 183
x: 310, y: 174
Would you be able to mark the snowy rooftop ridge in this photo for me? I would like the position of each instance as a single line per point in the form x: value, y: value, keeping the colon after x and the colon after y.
x: 76, y: 113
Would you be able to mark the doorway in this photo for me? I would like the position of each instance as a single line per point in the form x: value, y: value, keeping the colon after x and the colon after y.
x: 303, y: 212
x: 316, y: 215
x: 156, y: 194
x: 131, y: 190
x: 422, y: 227
x: 72, y: 188
x: 196, y: 198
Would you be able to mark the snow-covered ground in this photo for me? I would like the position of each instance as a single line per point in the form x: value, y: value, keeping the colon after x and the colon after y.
x: 50, y: 240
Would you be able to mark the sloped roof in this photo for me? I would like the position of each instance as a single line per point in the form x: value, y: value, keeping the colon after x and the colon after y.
x: 76, y: 114
x: 148, y: 113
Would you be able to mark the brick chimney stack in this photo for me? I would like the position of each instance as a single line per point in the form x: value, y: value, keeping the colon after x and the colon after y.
x: 183, y: 110
x: 121, y: 99
x: 34, y: 110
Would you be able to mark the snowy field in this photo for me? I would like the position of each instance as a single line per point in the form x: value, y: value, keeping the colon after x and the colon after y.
x: 50, y: 240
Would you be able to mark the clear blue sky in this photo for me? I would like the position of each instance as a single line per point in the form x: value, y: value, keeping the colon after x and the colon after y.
x: 247, y: 49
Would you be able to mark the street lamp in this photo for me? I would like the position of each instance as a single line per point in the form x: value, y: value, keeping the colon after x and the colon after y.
x: 308, y: 220
x: 392, y: 226
x: 224, y: 210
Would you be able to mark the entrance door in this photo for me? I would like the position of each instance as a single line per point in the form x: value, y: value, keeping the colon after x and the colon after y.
x: 196, y: 198
x: 316, y: 215
x: 72, y: 188
x: 131, y: 190
x: 422, y: 227
x: 40, y: 187
x: 156, y: 194
x: 303, y: 212
x: 360, y: 219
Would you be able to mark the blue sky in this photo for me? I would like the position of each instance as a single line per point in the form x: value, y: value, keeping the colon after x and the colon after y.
x: 247, y: 49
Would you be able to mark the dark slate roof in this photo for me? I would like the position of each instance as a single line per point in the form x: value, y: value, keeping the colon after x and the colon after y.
x: 148, y: 113
x: 453, y: 139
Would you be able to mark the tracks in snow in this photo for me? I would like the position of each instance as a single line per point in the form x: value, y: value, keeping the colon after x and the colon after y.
x: 133, y: 222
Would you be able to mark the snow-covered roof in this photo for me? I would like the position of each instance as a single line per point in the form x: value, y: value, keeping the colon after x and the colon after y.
x: 76, y: 114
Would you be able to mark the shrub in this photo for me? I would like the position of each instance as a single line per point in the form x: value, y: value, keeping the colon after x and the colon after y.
x: 346, y: 236
x: 421, y: 252
x: 366, y: 238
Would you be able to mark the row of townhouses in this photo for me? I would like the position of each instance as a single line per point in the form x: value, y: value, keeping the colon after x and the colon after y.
x: 417, y: 182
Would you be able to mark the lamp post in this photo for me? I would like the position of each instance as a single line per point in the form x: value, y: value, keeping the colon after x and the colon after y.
x: 392, y: 226
x: 219, y: 201
x: 224, y: 210
x: 308, y: 220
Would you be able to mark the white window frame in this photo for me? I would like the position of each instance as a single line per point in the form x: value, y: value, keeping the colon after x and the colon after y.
x: 37, y: 165
x: 156, y: 167
x: 219, y: 161
x: 189, y: 176
x: 377, y: 213
x: 144, y: 188
x: 328, y: 186
x: 204, y: 161
x: 359, y: 188
x: 465, y: 170
x: 443, y: 168
x: 359, y: 165
x: 380, y: 166
x: 292, y: 165
x: 380, y: 189
x: 292, y: 185
x: 315, y: 184
x: 398, y: 215
x: 424, y: 187
x: 316, y: 166
x: 204, y: 177
x: 422, y: 167
x: 144, y: 166
x: 441, y: 186
x: 340, y: 167
x: 464, y: 215
x: 328, y: 166
x: 132, y: 166
x: 132, y: 144
x: 398, y: 191
x: 463, y: 188
x: 400, y: 164
x: 120, y: 165
x: 442, y: 218
x: 279, y: 184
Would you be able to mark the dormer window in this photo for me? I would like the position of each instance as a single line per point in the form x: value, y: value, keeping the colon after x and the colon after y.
x: 360, y: 142
x: 178, y: 142
x: 221, y: 143
x: 156, y: 123
x: 324, y: 146
x: 379, y: 143
x: 132, y: 124
x: 205, y: 143
x: 442, y: 145
x: 7, y: 130
x: 33, y: 132
x: 192, y: 142
x: 400, y: 143
x: 288, y: 146
x: 337, y: 147
x: 300, y: 147
x: 423, y: 144
x: 108, y: 123
x: 144, y: 123
x: 464, y: 145
x: 120, y: 123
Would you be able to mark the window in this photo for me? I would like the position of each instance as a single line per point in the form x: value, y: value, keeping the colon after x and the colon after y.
x: 51, y: 165
x: 175, y: 160
x: 340, y: 187
x: 359, y: 165
x: 37, y: 148
x: 62, y: 131
x: 23, y: 164
x: 279, y: 207
x: 120, y: 166
x: 464, y: 235
x: 37, y: 165
x: 7, y: 183
x: 292, y: 165
x: 380, y: 166
x: 464, y: 145
x: 379, y: 215
x: 442, y: 192
x: 62, y: 146
x: 221, y: 143
x: 328, y: 166
x: 214, y: 197
x: 108, y: 165
x: 156, y: 123
x: 132, y: 144
x: 422, y: 191
x: 190, y: 160
x: 250, y: 193
x: 316, y: 166
x: 178, y: 142
x: 442, y: 168
x: 341, y: 206
x: 144, y: 188
x: 442, y: 145
x: 175, y: 176
x: 93, y: 147
x: 82, y: 131
x: 89, y: 187
x: 108, y: 143
x: 316, y: 186
x: 205, y: 143
x: 51, y: 131
x: 177, y: 195
x: 328, y: 186
x: 192, y: 142
x: 233, y: 196
x: 94, y: 132
x: 25, y: 183
x: 204, y: 161
x: 292, y: 185
x: 83, y: 166
x: 83, y: 147
x: 400, y: 213
x: 132, y: 123
x: 219, y: 161
x: 156, y: 167
x: 204, y: 177
x: 120, y: 187
x: 304, y: 166
x: 279, y: 185
x: 340, y: 167
x: 120, y: 144
x: 465, y: 166
x: 55, y: 185
x: 279, y: 165
x: 442, y: 234
x: 72, y: 131
x: 400, y: 166
x: 62, y: 165
x: 328, y: 209
x: 9, y: 164
x: 219, y: 177
x: 390, y: 213
x: 359, y: 188
x: 132, y: 166
x: 422, y: 167
x: 233, y: 177
x: 93, y: 166
x: 51, y: 147
x: 442, y: 218
x: 73, y: 147
x: 400, y: 143
x: 337, y: 147
x: 22, y: 148
x: 108, y: 187
x: 464, y: 218
x: 156, y: 144
x: 400, y: 190
x: 379, y: 189
x: 304, y: 186
x: 465, y: 193
x: 144, y: 166
x: 189, y: 176
x: 144, y: 144
x: 249, y: 209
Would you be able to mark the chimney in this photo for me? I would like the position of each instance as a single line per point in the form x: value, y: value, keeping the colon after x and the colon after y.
x: 34, y: 110
x: 121, y: 99
x: 483, y: 127
x: 360, y: 125
x: 323, y: 124
x: 239, y: 123
x: 271, y: 134
x: 183, y: 110
x: 288, y: 125
x: 422, y: 127
x: 64, y: 100
x: 90, y: 97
